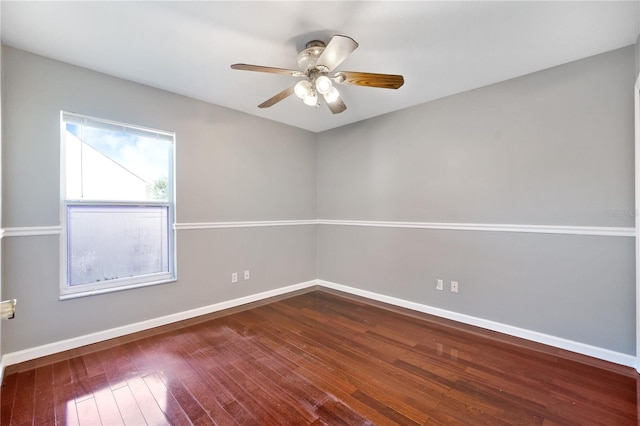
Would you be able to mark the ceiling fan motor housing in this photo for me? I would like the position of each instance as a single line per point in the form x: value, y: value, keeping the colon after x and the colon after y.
x: 308, y: 58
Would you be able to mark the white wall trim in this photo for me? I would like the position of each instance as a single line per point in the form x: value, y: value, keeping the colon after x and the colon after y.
x: 32, y: 231
x: 606, y: 231
x: 88, y: 339
x: 558, y: 342
x: 492, y: 227
x: 246, y: 224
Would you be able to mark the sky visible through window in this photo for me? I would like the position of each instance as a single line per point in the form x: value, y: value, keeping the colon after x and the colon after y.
x: 145, y: 157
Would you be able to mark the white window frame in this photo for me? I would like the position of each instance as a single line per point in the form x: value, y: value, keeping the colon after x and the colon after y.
x: 82, y: 290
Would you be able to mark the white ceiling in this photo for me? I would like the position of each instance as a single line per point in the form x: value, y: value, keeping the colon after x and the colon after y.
x: 441, y: 48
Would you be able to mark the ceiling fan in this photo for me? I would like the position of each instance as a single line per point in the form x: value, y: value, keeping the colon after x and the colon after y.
x: 315, y: 63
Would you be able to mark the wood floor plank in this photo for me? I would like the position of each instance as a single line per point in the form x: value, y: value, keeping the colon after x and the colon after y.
x: 8, y: 396
x: 107, y: 407
x: 326, y: 378
x: 92, y: 364
x: 365, y: 371
x: 44, y: 408
x: 78, y: 368
x: 384, y: 387
x: 187, y: 402
x: 23, y: 407
x: 336, y: 413
x: 271, y: 383
x: 123, y: 360
x: 142, y: 366
x: 223, y: 397
x: 208, y: 402
x: 166, y: 401
x: 319, y: 359
x: 384, y: 409
x: 597, y: 394
x: 66, y: 412
x: 88, y: 412
x: 300, y: 393
x: 127, y: 405
x: 115, y: 377
x: 146, y: 402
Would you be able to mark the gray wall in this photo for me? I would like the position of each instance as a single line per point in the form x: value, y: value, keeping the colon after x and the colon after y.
x: 638, y: 55
x: 230, y: 167
x: 551, y: 148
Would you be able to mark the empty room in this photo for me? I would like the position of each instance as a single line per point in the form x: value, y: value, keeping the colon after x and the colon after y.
x: 327, y: 213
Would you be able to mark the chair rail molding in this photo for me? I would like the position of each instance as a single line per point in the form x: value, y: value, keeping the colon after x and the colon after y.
x: 605, y: 231
x: 243, y: 224
x: 31, y: 231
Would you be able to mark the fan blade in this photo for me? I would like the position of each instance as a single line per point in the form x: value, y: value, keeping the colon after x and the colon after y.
x: 259, y: 68
x: 337, y: 106
x: 277, y: 98
x: 385, y: 81
x: 338, y: 49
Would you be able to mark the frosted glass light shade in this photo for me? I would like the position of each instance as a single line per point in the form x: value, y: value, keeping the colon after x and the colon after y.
x: 323, y: 84
x: 302, y: 88
x: 332, y: 96
x: 311, y: 99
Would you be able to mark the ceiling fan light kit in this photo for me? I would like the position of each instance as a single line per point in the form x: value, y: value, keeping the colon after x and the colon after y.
x: 310, y: 98
x: 323, y: 84
x: 315, y: 62
x: 302, y: 88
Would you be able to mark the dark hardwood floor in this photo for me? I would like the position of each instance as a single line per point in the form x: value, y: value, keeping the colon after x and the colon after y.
x: 319, y: 358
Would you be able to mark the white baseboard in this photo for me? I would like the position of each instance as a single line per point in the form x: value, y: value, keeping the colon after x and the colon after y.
x: 558, y: 342
x: 88, y: 339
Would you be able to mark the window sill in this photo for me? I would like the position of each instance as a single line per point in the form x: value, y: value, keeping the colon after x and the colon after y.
x: 97, y: 291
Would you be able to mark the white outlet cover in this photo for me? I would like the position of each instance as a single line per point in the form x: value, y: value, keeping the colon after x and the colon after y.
x: 439, y: 285
x: 247, y: 275
x: 234, y: 277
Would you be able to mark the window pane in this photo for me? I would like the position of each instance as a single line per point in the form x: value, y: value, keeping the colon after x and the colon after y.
x: 103, y: 164
x: 112, y: 242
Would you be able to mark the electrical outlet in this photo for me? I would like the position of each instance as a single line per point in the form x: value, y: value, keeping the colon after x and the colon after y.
x: 439, y: 284
x: 234, y: 277
x: 246, y: 275
x: 454, y: 286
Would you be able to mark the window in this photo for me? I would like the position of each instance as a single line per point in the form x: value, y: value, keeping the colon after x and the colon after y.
x: 117, y: 206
